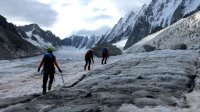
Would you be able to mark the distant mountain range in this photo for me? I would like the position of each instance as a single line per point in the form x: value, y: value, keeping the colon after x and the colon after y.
x: 136, y: 25
x: 29, y: 40
x: 43, y: 39
x: 81, y: 41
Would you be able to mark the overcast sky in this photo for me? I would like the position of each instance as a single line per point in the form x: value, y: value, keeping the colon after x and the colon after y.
x: 67, y: 17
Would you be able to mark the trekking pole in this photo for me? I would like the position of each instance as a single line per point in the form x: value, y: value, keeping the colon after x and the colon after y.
x: 92, y: 65
x: 54, y: 81
x: 42, y: 72
x: 62, y: 78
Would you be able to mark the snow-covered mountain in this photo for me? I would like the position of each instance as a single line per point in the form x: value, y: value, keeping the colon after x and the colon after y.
x: 151, y: 18
x: 38, y: 37
x: 185, y: 31
x: 81, y: 41
x: 122, y: 29
x: 11, y: 43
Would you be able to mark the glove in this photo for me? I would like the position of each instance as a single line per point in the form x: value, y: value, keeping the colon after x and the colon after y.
x: 38, y: 70
x: 59, y: 70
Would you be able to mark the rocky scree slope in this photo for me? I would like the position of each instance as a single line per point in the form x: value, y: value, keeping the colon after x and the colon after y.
x: 185, y: 31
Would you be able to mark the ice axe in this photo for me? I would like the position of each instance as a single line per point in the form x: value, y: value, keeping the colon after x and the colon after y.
x: 92, y: 64
x: 62, y: 78
x: 42, y: 71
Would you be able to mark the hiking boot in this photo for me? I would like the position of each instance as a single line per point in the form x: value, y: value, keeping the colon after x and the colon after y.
x: 44, y: 92
x: 49, y: 87
x: 88, y: 68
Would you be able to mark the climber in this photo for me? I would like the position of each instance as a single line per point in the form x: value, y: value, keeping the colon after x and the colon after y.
x: 105, y: 55
x: 88, y: 59
x: 48, y: 62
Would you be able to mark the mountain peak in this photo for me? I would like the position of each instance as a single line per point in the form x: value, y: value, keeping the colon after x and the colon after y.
x: 35, y: 26
x: 149, y: 19
x: 38, y: 37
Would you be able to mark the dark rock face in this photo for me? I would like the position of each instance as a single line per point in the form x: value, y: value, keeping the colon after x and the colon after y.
x: 92, y: 41
x: 149, y: 48
x: 113, y: 51
x: 8, y: 26
x: 75, y: 41
x: 22, y: 33
x: 141, y: 29
x: 118, y: 33
x: 178, y: 14
x: 180, y: 46
x: 66, y: 42
x: 47, y: 36
x: 11, y: 43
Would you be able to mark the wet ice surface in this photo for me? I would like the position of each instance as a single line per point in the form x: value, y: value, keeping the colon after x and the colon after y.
x: 20, y: 77
x: 158, y: 81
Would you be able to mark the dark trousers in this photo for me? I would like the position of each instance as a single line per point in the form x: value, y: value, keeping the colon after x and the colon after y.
x: 45, y: 79
x: 104, y: 60
x: 87, y: 62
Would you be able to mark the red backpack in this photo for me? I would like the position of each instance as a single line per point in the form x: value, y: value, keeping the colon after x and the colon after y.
x: 89, y: 54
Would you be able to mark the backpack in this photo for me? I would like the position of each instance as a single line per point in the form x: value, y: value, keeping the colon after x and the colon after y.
x: 49, y: 60
x: 105, y: 50
x: 89, y: 54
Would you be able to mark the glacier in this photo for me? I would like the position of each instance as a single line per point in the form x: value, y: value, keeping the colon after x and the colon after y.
x: 158, y: 81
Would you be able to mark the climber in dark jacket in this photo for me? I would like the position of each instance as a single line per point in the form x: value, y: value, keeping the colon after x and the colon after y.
x: 48, y: 62
x: 88, y: 59
x: 105, y: 55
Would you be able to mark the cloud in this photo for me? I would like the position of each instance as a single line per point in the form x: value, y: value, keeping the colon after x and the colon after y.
x: 66, y: 4
x: 29, y: 11
x: 100, y: 31
x: 103, y: 16
x: 123, y: 6
x: 64, y: 17
x: 98, y: 9
x: 84, y: 2
x: 99, y: 17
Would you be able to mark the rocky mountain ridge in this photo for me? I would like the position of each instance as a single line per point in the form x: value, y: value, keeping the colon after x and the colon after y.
x: 11, y: 43
x: 185, y: 31
x: 81, y: 42
x: 150, y: 19
x: 38, y: 37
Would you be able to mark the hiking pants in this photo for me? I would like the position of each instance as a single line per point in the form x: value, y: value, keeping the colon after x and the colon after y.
x: 104, y: 60
x: 45, y: 79
x: 87, y: 62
